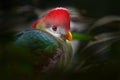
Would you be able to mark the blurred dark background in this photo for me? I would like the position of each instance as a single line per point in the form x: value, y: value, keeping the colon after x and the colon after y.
x: 103, y: 55
x: 95, y: 8
x: 23, y: 12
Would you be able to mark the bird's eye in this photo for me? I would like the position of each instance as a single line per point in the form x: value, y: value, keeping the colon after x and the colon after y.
x: 54, y: 28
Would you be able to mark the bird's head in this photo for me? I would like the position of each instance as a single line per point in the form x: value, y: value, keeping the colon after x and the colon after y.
x: 56, y: 22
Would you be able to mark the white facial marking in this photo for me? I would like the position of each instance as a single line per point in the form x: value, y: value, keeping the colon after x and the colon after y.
x: 58, y: 32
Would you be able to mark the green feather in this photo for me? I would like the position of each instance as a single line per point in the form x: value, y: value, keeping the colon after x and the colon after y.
x: 37, y: 40
x: 45, y: 43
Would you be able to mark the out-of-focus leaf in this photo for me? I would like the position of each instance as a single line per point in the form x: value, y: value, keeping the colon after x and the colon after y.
x: 104, y: 21
x: 105, y: 37
x: 96, y: 51
x: 82, y: 37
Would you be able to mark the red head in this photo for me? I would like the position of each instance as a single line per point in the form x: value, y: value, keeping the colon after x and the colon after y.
x: 58, y: 17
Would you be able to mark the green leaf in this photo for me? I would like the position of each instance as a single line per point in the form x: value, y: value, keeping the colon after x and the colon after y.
x: 82, y: 37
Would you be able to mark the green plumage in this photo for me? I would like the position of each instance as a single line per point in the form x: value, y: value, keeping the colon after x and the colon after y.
x: 53, y: 51
x: 37, y: 40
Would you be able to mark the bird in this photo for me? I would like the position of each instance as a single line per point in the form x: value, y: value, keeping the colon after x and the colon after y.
x: 49, y: 39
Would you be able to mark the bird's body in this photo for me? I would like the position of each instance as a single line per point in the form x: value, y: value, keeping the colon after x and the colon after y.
x: 53, y: 52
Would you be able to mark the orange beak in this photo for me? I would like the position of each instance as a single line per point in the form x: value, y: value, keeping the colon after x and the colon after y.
x: 68, y: 36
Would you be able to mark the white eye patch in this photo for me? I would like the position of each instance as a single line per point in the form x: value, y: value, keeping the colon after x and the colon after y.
x: 56, y: 31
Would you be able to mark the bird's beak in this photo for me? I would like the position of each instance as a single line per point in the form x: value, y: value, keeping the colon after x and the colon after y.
x: 68, y: 36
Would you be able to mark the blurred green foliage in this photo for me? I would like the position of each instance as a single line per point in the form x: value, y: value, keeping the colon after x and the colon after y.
x: 82, y: 37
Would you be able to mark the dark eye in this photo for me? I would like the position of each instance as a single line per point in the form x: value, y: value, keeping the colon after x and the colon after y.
x: 54, y: 28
